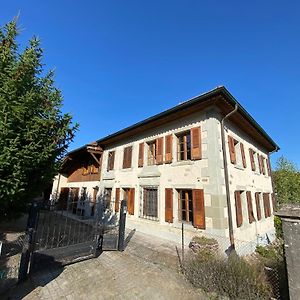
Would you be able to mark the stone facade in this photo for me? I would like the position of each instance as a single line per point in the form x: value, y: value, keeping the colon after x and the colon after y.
x: 205, y: 174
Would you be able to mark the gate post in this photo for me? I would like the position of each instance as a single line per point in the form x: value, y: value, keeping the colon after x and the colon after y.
x: 28, y: 245
x: 121, y: 240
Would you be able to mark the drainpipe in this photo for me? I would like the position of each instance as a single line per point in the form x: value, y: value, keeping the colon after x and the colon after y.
x: 230, y: 225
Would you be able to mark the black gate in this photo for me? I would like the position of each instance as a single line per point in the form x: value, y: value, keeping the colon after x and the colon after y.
x: 62, y: 235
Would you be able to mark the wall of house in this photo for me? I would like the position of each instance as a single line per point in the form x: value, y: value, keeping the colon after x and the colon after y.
x: 244, y: 179
x: 205, y: 174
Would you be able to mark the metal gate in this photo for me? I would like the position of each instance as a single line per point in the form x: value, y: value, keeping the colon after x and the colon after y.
x: 59, y: 235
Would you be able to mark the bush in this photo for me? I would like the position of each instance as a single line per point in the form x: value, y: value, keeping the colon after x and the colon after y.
x: 272, y: 256
x: 278, y: 227
x: 233, y: 277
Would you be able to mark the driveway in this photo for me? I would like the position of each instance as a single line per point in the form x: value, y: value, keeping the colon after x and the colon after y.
x: 147, y: 269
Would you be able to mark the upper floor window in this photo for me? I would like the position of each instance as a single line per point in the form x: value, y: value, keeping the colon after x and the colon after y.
x: 184, y: 146
x: 237, y: 152
x: 151, y: 153
x: 127, y: 158
x: 111, y: 160
x: 189, y: 144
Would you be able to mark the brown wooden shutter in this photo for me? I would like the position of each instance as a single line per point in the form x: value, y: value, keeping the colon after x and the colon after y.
x: 131, y: 201
x: 111, y: 160
x: 129, y: 157
x: 273, y: 201
x: 231, y: 149
x: 159, y: 150
x: 258, y: 209
x: 117, y: 200
x: 259, y: 163
x: 198, y: 209
x: 251, y: 154
x: 125, y: 157
x: 268, y: 167
x: 267, y: 208
x: 169, y: 205
x: 141, y: 155
x: 168, y: 147
x: 263, y: 165
x: 250, y: 207
x: 196, y: 150
x: 243, y: 155
x: 238, y: 208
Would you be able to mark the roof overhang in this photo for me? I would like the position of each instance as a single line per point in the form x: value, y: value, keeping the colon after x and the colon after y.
x: 219, y: 97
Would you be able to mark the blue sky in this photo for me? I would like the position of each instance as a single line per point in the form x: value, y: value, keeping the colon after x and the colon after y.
x: 118, y: 62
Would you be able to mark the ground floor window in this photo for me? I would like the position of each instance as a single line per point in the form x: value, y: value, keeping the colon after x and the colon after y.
x: 186, y: 205
x: 149, y: 203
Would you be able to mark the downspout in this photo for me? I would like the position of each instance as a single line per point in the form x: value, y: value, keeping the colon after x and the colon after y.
x: 230, y: 224
x: 272, y: 178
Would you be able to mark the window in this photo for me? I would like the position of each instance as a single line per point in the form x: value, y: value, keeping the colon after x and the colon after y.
x: 237, y: 152
x: 128, y: 196
x: 186, y: 205
x: 111, y: 160
x: 267, y: 207
x: 149, y: 205
x: 263, y: 168
x: 184, y: 146
x: 107, y: 198
x: 191, y: 207
x: 151, y: 153
x: 252, y: 160
x: 127, y: 157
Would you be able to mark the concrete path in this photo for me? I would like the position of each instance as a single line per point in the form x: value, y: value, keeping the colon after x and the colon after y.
x: 147, y: 269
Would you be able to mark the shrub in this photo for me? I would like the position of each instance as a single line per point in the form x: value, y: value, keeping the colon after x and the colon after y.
x: 272, y: 256
x: 278, y: 227
x: 233, y: 277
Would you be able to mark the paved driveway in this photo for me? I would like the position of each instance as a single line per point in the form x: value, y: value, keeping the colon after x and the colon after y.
x: 147, y: 269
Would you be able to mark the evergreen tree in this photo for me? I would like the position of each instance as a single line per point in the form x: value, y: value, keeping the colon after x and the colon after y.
x: 34, y: 133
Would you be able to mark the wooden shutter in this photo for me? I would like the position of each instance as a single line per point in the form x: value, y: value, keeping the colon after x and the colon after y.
x: 141, y: 155
x: 263, y: 165
x: 231, y: 149
x: 131, y: 201
x: 117, y: 200
x: 196, y: 151
x: 259, y: 163
x: 258, y: 209
x: 250, y: 207
x: 268, y: 167
x: 273, y: 201
x: 129, y: 157
x: 111, y: 160
x: 238, y: 208
x: 168, y: 147
x: 251, y: 154
x: 267, y: 207
x: 243, y: 155
x: 169, y: 205
x: 159, y: 150
x: 198, y: 209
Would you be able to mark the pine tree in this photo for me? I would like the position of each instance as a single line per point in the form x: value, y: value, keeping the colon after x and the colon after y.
x: 34, y: 133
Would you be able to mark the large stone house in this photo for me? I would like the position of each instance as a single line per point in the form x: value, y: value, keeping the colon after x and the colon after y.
x: 204, y: 163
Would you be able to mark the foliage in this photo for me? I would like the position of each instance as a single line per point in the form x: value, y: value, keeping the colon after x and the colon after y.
x: 231, y: 277
x: 287, y: 182
x: 34, y: 133
x: 272, y: 256
x: 202, y: 240
x: 278, y: 227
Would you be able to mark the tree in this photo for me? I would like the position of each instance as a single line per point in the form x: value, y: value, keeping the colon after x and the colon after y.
x: 34, y: 133
x: 287, y: 182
